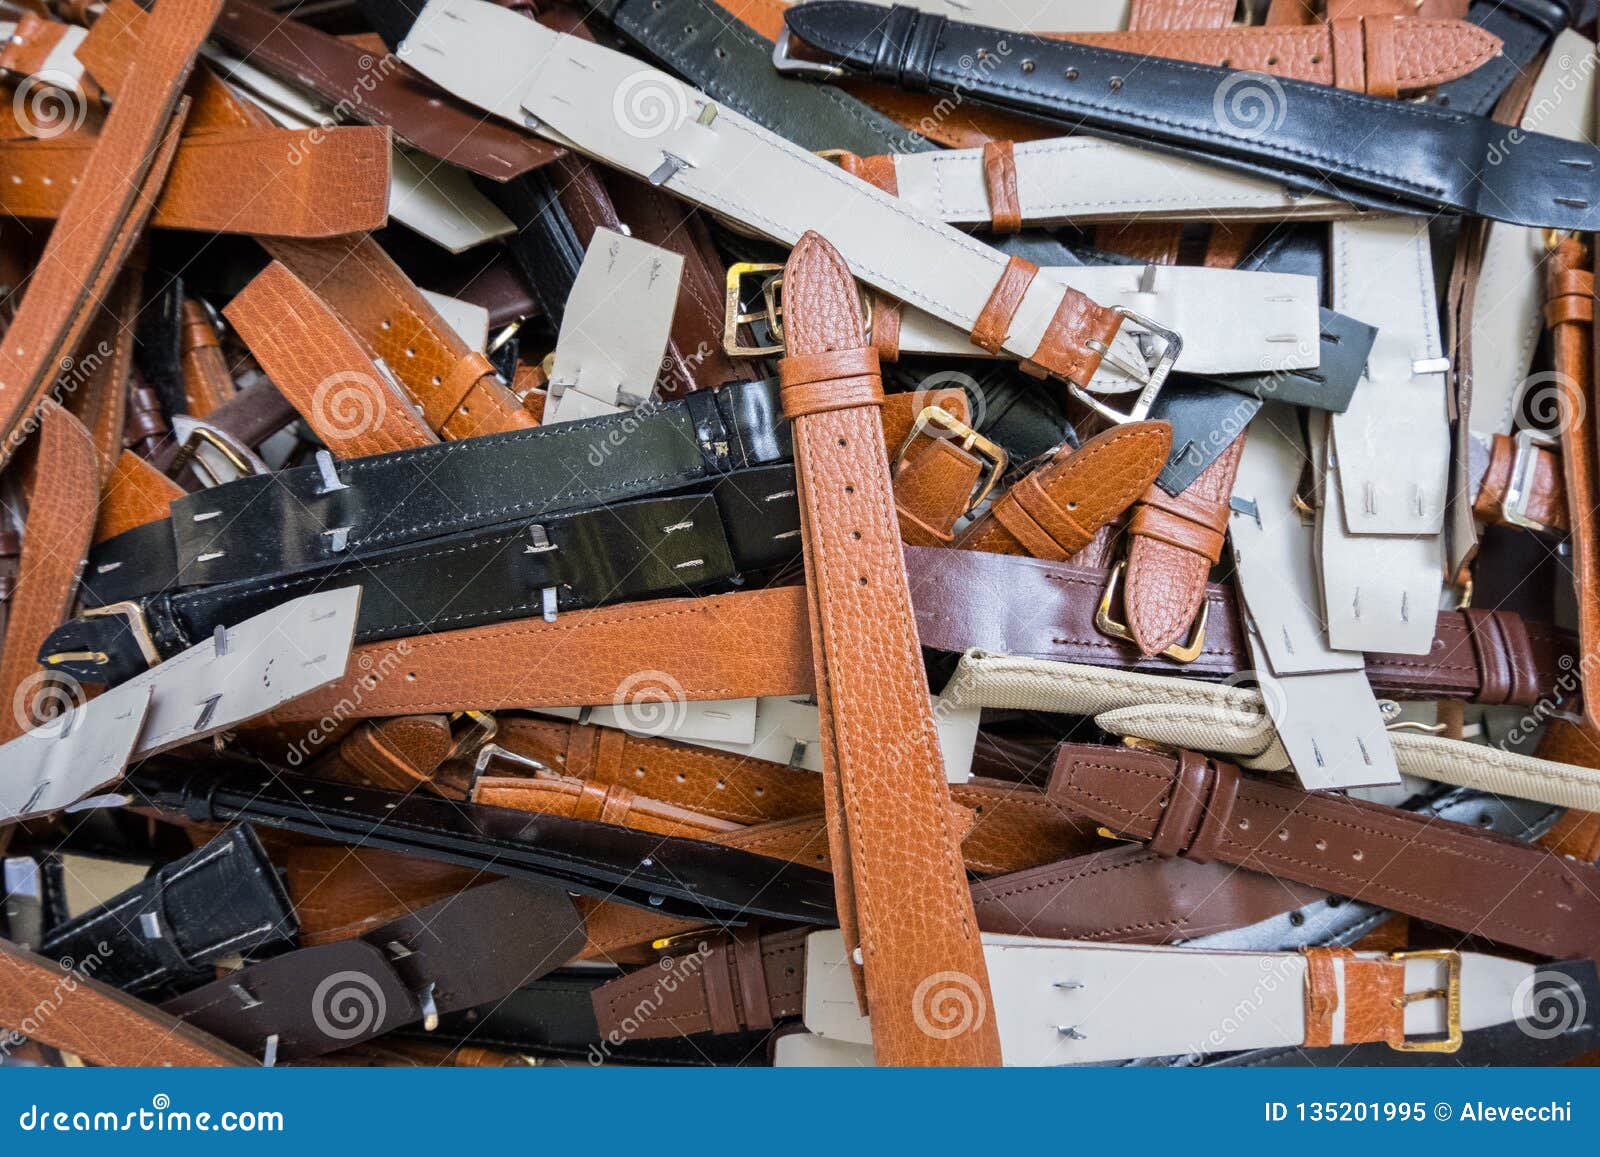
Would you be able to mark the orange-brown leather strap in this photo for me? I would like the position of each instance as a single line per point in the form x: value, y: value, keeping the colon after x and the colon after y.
x: 994, y: 322
x: 1000, y: 183
x: 608, y: 804
x: 1545, y: 501
x: 323, y: 369
x: 1569, y: 314
x: 206, y: 380
x: 64, y: 484
x: 73, y: 1012
x: 400, y: 754
x: 1054, y: 511
x: 877, y: 171
x: 102, y: 216
x: 134, y: 494
x: 899, y: 878
x: 1372, y: 998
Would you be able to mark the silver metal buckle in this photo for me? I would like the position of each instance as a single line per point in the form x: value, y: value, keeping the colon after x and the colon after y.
x: 784, y: 62
x: 1520, y: 486
x: 1152, y: 378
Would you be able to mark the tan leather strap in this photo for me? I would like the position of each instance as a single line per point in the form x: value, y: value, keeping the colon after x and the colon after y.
x: 995, y: 320
x: 585, y: 800
x: 71, y: 1011
x: 65, y: 482
x: 933, y: 488
x: 340, y: 892
x: 1371, y: 998
x: 322, y: 368
x: 102, y: 215
x: 1054, y: 511
x: 134, y: 494
x: 400, y: 754
x: 1000, y: 182
x: 207, y: 383
x: 899, y: 879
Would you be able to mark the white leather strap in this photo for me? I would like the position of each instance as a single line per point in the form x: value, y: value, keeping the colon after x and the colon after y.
x: 1083, y: 180
x: 242, y: 672
x: 1319, y: 698
x: 426, y: 195
x: 1387, y: 460
x: 1233, y: 321
x: 615, y: 329
x: 776, y: 728
x: 1062, y: 1002
x: 676, y: 137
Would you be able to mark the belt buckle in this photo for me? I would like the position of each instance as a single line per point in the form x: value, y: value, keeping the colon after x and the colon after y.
x: 992, y: 455
x: 1519, y: 488
x: 138, y: 626
x: 784, y: 60
x: 476, y: 728
x: 771, y: 312
x: 190, y: 452
x: 1151, y: 378
x: 1450, y: 994
x: 1106, y: 625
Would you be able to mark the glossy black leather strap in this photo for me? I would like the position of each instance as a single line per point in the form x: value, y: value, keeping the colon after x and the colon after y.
x: 1525, y: 29
x: 222, y: 898
x: 647, y: 548
x: 1369, y: 150
x: 313, y: 517
x: 469, y: 948
x: 677, y: 877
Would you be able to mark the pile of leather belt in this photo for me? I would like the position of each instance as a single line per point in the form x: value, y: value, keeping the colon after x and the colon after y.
x: 729, y: 533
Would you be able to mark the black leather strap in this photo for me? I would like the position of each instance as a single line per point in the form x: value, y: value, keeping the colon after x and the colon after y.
x: 652, y: 547
x: 1369, y: 150
x: 1525, y: 29
x: 676, y: 877
x: 312, y: 517
x: 222, y: 898
x: 470, y: 948
x: 1565, y: 1024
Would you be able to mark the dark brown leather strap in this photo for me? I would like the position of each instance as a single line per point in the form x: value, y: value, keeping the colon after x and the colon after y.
x: 1461, y: 877
x: 1046, y: 610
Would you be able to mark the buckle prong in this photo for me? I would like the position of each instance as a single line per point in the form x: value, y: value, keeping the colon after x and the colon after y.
x: 1150, y: 378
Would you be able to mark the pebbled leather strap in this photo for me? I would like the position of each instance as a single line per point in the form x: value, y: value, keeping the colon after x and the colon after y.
x: 899, y: 877
x: 95, y: 1021
x: 1407, y: 158
x: 1445, y: 873
x: 321, y: 367
x: 102, y: 215
x: 1053, y: 512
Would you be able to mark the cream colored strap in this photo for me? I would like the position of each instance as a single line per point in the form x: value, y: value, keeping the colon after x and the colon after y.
x: 1319, y: 698
x: 1059, y: 1002
x: 1082, y: 180
x: 615, y: 329
x: 241, y: 672
x: 1387, y: 459
x: 610, y: 106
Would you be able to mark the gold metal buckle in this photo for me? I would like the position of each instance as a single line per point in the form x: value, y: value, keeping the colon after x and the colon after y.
x: 1106, y: 625
x: 993, y: 456
x: 480, y: 727
x: 137, y: 625
x: 1519, y: 487
x: 771, y: 312
x: 190, y: 452
x: 1450, y: 994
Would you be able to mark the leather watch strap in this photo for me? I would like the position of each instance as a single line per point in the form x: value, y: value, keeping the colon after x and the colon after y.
x: 1054, y: 511
x: 1172, y: 103
x: 101, y: 215
x: 223, y: 898
x: 207, y: 380
x: 95, y: 1021
x: 320, y: 366
x: 1542, y: 495
x: 893, y: 852
x: 1445, y: 873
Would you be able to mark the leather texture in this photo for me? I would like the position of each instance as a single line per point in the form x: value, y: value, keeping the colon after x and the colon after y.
x: 207, y: 380
x: 1053, y: 512
x: 900, y: 882
x: 97, y: 1022
x: 1445, y: 873
x: 1545, y: 500
x: 1171, y: 104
